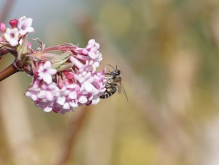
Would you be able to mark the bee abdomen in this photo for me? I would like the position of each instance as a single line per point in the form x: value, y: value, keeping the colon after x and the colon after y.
x: 110, y: 90
x: 105, y: 95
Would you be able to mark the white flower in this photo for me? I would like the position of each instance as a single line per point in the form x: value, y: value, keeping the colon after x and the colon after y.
x: 24, y: 25
x: 45, y: 72
x: 12, y: 36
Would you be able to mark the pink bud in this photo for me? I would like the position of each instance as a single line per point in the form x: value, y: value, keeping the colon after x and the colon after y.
x: 13, y: 23
x: 2, y: 27
x: 69, y: 75
x: 76, y: 62
x: 29, y: 44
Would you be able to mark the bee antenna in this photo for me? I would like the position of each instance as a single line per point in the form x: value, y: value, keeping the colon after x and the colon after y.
x: 112, y: 66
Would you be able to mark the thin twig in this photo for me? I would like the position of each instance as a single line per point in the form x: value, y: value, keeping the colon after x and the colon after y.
x: 74, y: 128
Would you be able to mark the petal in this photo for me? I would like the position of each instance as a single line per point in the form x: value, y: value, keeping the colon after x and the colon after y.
x: 66, y: 92
x: 73, y: 105
x: 82, y: 57
x: 97, y: 45
x: 28, y: 94
x: 52, y: 86
x: 47, y: 65
x: 76, y: 62
x: 82, y: 99
x: 41, y: 68
x: 23, y: 32
x: 14, y: 30
x: 66, y: 106
x: 95, y: 101
x: 42, y: 94
x: 13, y: 42
x: 52, y: 71
x: 88, y: 87
x: 61, y: 100
x: 33, y: 97
x: 29, y: 29
x: 47, y: 109
x: 49, y: 96
x: 84, y: 51
x: 47, y: 78
x: 73, y: 95
x: 29, y: 22
x: 90, y: 44
x: 93, y: 49
x: 92, y: 55
x: 22, y: 18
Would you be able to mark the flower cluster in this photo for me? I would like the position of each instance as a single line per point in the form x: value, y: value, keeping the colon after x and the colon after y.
x: 19, y: 28
x: 60, y: 82
x: 63, y: 82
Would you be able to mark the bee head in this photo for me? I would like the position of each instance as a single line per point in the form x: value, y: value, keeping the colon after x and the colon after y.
x: 117, y: 72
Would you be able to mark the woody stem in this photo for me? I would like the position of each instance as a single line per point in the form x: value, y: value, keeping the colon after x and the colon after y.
x: 10, y: 70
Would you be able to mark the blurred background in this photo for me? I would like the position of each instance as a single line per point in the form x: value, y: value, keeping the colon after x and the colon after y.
x: 168, y: 52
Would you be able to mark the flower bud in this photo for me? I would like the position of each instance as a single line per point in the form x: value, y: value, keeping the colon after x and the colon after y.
x: 2, y: 27
x: 13, y: 23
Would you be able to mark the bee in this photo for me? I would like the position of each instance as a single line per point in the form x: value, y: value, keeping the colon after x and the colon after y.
x: 113, y: 84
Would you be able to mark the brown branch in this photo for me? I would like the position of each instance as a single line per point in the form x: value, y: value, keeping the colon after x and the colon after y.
x: 10, y: 70
x: 75, y: 126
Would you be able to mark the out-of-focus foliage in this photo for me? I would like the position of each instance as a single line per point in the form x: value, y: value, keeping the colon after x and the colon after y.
x: 168, y: 52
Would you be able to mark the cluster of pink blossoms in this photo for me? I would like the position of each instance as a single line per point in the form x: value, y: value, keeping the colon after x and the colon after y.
x: 62, y: 81
x: 18, y: 29
x: 78, y: 84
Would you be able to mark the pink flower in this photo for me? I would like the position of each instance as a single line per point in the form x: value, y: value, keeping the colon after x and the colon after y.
x: 33, y: 90
x: 70, y: 88
x: 48, y: 91
x: 43, y: 94
x: 92, y: 46
x: 19, y: 28
x: 90, y: 55
x: 67, y: 100
x: 24, y: 25
x: 62, y: 81
x: 45, y: 72
x: 12, y: 36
